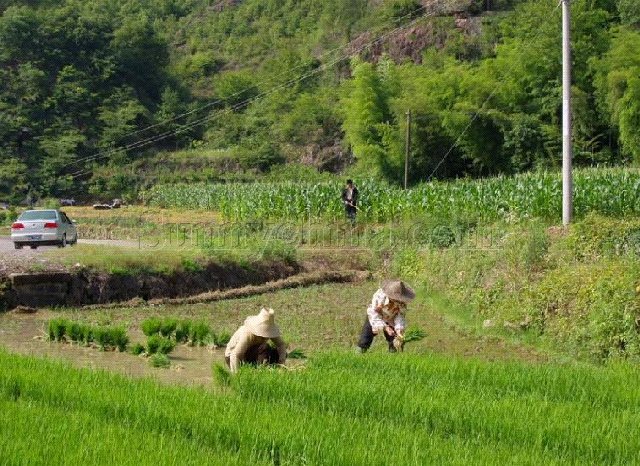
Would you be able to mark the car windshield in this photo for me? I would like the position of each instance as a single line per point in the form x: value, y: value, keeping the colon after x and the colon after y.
x: 38, y: 215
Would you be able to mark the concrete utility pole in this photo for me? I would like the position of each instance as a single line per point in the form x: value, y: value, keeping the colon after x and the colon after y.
x: 406, y: 150
x: 567, y: 179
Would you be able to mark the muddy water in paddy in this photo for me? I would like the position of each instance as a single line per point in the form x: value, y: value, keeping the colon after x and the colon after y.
x: 25, y: 334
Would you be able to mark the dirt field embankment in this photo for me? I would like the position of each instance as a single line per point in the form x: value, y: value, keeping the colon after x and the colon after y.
x: 82, y: 287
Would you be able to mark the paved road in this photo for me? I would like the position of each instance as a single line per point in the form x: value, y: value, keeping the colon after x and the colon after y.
x: 6, y: 245
x: 12, y: 259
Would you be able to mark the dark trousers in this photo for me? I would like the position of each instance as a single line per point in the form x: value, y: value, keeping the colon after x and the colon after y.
x: 366, y: 336
x: 351, y: 212
x: 259, y: 354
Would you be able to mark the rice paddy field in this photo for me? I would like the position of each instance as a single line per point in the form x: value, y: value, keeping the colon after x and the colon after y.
x: 341, y: 408
x: 455, y: 397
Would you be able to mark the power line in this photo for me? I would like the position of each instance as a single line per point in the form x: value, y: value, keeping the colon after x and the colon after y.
x: 183, y: 128
x: 477, y: 114
x: 245, y: 90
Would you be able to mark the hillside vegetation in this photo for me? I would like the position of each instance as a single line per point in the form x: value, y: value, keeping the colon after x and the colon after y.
x: 254, y: 83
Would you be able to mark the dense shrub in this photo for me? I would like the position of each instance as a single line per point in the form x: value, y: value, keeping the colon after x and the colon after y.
x: 576, y: 289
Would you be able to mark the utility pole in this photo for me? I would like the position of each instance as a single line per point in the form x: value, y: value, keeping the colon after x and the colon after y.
x: 567, y: 179
x: 406, y: 150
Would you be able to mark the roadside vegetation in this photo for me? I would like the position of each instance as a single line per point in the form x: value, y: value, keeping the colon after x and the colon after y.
x: 576, y: 291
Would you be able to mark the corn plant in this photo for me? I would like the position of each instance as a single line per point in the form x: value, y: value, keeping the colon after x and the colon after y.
x: 610, y: 191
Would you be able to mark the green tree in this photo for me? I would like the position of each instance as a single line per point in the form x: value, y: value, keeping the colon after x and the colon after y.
x: 365, y: 112
x: 617, y: 88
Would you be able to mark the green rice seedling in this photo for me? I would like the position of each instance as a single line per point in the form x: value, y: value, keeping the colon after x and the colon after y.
x: 199, y: 333
x: 76, y: 331
x: 151, y: 326
x: 183, y: 330
x: 87, y: 334
x: 221, y: 375
x: 220, y: 339
x: 158, y: 344
x: 153, y: 343
x: 296, y: 354
x: 103, y: 337
x: 446, y: 410
x: 166, y: 346
x: 167, y: 327
x: 161, y: 361
x: 119, y: 338
x: 137, y: 349
x: 57, y: 329
x: 414, y: 334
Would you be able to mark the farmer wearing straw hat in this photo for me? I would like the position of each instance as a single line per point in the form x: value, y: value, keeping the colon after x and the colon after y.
x: 386, y: 314
x: 250, y: 343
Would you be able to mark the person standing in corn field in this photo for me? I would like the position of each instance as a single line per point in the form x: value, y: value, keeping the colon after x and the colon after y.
x: 386, y: 314
x: 350, y: 200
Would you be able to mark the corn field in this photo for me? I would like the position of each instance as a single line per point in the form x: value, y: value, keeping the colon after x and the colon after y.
x: 608, y: 191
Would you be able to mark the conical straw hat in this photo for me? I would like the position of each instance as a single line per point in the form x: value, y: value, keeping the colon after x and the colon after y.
x: 398, y: 291
x: 263, y: 324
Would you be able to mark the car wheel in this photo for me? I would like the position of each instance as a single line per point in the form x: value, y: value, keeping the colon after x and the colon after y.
x: 17, y: 246
x: 33, y: 247
x: 63, y: 243
x: 74, y: 242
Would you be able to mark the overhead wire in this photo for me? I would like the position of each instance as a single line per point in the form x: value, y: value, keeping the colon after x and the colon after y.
x: 156, y: 138
x: 246, y: 102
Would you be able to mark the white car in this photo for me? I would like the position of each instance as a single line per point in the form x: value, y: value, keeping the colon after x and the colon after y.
x: 43, y: 228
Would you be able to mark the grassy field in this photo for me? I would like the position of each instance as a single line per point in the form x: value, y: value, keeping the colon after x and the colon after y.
x: 340, y: 409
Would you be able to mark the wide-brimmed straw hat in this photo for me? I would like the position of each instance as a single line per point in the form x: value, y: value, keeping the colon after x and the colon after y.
x: 398, y: 291
x: 263, y: 324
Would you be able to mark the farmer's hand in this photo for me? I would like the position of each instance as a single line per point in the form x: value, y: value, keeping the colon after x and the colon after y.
x: 390, y: 331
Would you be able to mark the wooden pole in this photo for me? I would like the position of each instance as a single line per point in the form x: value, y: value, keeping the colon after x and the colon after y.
x: 407, y: 150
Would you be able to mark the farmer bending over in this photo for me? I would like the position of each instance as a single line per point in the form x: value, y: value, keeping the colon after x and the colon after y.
x: 250, y: 343
x: 386, y: 314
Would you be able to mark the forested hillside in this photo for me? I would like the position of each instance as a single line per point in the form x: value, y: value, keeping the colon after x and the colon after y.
x: 106, y: 96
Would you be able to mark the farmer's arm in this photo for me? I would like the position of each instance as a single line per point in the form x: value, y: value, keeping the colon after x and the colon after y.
x: 238, y: 352
x: 373, y: 311
x: 281, y: 346
x: 400, y: 323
